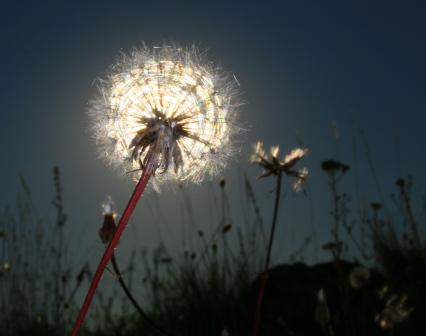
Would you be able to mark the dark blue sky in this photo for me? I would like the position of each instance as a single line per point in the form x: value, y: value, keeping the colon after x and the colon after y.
x: 301, y: 65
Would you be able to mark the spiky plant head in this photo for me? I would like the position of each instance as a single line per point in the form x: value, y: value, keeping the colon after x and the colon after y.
x: 272, y: 165
x: 168, y: 104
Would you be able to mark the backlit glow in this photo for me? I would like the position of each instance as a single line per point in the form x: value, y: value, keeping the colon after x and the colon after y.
x: 167, y: 82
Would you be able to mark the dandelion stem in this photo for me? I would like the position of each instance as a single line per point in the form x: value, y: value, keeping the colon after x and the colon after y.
x: 264, y: 276
x: 139, y: 189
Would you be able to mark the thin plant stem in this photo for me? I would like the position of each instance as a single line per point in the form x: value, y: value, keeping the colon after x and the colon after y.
x: 264, y: 276
x: 139, y: 189
x: 411, y: 219
x: 132, y: 299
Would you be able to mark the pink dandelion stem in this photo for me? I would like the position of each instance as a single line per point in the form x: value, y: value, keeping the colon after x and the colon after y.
x: 137, y: 193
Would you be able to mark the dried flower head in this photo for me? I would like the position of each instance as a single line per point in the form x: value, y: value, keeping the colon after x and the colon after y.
x: 272, y: 165
x: 106, y: 232
x: 322, y: 311
x: 396, y: 311
x: 376, y: 206
x: 166, y: 104
x: 332, y: 167
x: 358, y: 276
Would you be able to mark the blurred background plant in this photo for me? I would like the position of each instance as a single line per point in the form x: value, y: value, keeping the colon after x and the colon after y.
x: 389, y: 243
x: 38, y: 285
x: 376, y: 263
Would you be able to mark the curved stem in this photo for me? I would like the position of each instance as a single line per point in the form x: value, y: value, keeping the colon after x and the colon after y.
x: 132, y: 299
x: 264, y: 276
x: 139, y: 189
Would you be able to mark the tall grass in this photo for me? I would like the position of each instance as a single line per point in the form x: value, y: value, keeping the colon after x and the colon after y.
x: 207, y: 290
x: 37, y: 284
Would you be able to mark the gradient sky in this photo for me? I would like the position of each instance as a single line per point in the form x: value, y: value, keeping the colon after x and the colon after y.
x: 302, y: 65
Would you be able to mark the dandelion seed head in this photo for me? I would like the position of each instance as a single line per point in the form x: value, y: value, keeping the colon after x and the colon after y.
x: 168, y: 102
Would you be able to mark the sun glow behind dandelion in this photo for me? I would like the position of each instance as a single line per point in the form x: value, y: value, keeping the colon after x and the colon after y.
x: 165, y: 100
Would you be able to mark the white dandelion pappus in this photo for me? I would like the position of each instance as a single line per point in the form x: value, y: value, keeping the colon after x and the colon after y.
x: 167, y: 101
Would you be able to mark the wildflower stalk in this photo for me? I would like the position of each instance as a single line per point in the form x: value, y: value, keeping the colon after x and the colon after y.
x: 264, y: 276
x: 272, y: 165
x: 406, y: 202
x: 132, y: 299
x: 139, y: 189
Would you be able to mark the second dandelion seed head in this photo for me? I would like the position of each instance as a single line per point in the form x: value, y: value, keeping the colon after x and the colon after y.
x: 272, y: 165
